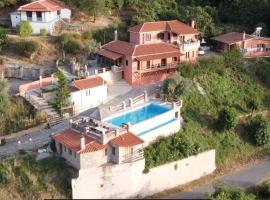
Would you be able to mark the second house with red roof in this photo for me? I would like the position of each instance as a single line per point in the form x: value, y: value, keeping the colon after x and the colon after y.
x: 154, y: 51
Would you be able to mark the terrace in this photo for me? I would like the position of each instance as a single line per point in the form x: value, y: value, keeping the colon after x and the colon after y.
x: 100, y: 131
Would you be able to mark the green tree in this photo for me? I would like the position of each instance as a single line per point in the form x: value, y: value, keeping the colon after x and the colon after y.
x: 93, y: 8
x: 4, y: 97
x: 253, y: 105
x: 62, y: 94
x: 226, y: 119
x: 3, y: 38
x: 233, y: 58
x: 223, y: 192
x: 25, y: 29
x: 260, y: 131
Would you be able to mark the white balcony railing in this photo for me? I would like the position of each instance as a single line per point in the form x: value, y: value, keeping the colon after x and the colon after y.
x: 189, y: 46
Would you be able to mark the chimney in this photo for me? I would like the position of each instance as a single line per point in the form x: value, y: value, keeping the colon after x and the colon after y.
x: 193, y: 23
x: 115, y: 35
x: 82, y: 141
x: 244, y: 35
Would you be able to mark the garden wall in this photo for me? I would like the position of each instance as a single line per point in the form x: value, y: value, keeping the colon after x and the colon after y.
x: 128, y: 180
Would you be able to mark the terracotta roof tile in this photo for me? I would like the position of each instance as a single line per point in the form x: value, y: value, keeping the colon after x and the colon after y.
x: 231, y: 38
x: 72, y: 140
x: 120, y: 47
x: 174, y: 26
x: 89, y: 83
x: 42, y: 5
x: 126, y: 139
x: 153, y: 49
x: 127, y: 49
x: 109, y: 54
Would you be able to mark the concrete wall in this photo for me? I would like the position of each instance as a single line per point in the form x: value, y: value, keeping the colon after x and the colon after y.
x: 110, y: 77
x: 128, y: 180
x: 82, y: 101
x: 93, y: 159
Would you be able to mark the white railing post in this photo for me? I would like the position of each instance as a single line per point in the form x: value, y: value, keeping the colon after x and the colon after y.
x: 130, y: 102
x: 40, y: 81
x: 145, y: 96
x: 124, y: 105
x: 103, y: 69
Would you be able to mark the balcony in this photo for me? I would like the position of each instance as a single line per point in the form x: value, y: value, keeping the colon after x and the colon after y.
x: 189, y: 46
x: 159, y: 67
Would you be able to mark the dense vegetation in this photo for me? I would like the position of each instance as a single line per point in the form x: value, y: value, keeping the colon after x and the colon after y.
x: 212, y: 17
x: 207, y: 121
x: 23, y: 177
x: 26, y: 48
x: 16, y: 114
x: 222, y: 192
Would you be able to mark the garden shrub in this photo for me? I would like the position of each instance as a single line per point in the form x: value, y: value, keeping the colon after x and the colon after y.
x: 43, y: 32
x: 260, y: 131
x: 176, y: 86
x: 263, y: 71
x: 25, y: 29
x: 3, y: 38
x: 223, y: 192
x: 226, y: 119
x: 87, y: 35
x: 72, y: 46
x: 169, y: 149
x: 26, y: 48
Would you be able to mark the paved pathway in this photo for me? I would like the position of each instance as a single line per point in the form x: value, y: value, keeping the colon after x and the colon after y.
x: 243, y: 178
x: 35, y: 140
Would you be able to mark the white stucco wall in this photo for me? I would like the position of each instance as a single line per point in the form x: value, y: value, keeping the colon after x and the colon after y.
x: 163, y: 131
x: 15, y: 18
x: 128, y: 180
x: 83, y: 102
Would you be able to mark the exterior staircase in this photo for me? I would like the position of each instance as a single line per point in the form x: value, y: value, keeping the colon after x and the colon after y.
x: 39, y: 103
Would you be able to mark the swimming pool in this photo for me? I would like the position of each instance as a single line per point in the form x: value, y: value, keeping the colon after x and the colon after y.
x: 146, y: 112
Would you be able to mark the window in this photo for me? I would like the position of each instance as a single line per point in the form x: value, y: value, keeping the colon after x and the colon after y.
x: 113, y: 150
x: 148, y: 64
x: 65, y: 148
x: 70, y: 152
x: 160, y: 36
x: 39, y: 16
x: 163, y: 62
x: 147, y: 37
x: 182, y: 38
x: 75, y: 155
x: 106, y: 151
x: 187, y: 54
x: 175, y: 59
x: 58, y: 12
x: 126, y: 62
x: 29, y: 16
x: 138, y: 65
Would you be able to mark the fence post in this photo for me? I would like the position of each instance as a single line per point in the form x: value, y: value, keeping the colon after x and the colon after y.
x: 103, y: 69
x: 145, y: 96
x: 130, y: 102
x: 40, y: 81
x: 124, y: 105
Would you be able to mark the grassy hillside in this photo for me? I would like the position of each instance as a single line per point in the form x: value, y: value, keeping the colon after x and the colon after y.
x: 224, y: 87
x: 24, y: 178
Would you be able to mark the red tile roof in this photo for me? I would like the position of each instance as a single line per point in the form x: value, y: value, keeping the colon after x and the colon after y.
x: 174, y: 26
x: 89, y: 83
x: 127, y: 49
x: 42, y: 5
x: 126, y: 140
x: 2, y: 68
x: 153, y: 49
x: 120, y: 47
x: 231, y: 38
x: 72, y: 140
x: 109, y: 54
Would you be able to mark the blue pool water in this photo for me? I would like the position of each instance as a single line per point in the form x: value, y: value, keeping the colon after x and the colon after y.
x: 134, y: 117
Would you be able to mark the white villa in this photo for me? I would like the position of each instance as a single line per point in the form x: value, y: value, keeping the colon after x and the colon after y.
x: 41, y: 14
x: 87, y: 93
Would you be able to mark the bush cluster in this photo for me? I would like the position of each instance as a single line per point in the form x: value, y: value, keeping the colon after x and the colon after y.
x: 170, y: 149
x: 260, y: 131
x: 226, y: 119
x: 25, y: 29
x: 71, y: 43
x: 26, y: 48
